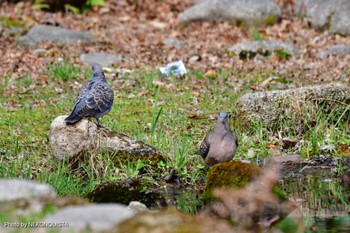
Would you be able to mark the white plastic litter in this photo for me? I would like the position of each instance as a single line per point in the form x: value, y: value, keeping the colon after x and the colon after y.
x: 176, y: 68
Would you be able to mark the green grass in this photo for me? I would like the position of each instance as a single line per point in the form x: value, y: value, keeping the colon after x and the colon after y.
x: 157, y: 115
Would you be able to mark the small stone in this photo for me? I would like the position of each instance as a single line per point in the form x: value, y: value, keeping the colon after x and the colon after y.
x: 137, y: 206
x: 172, y: 42
x: 104, y: 59
x: 267, y: 47
x: 288, y: 143
x: 194, y: 59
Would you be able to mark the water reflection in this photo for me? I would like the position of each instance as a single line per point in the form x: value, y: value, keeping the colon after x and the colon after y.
x: 324, y: 202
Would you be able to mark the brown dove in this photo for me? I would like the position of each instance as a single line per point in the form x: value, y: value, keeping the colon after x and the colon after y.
x: 220, y: 144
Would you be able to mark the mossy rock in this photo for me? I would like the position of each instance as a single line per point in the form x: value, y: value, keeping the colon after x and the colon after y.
x: 127, y: 149
x: 171, y: 221
x: 233, y: 174
x: 125, y: 191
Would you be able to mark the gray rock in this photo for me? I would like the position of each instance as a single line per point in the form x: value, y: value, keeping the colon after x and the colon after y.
x: 137, y: 206
x: 326, y: 14
x: 55, y: 34
x: 194, y: 59
x: 15, y: 189
x: 12, y: 30
x: 263, y: 47
x: 68, y: 141
x: 91, y: 218
x: 261, y: 12
x: 171, y: 42
x: 334, y: 50
x: 297, y: 106
x: 104, y: 59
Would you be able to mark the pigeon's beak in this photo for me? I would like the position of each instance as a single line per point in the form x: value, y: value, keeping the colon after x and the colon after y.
x: 222, y: 119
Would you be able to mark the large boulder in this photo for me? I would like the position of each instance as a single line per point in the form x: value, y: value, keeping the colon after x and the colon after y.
x: 294, y: 107
x: 72, y: 141
x: 55, y: 34
x: 256, y: 12
x: 326, y: 14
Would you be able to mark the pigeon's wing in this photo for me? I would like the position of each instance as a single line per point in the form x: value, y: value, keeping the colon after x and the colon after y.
x: 100, y: 98
x: 84, y: 90
x: 231, y: 136
x: 204, y: 147
x: 79, y: 110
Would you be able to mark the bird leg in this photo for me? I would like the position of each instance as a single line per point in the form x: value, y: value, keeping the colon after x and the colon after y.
x: 98, y: 122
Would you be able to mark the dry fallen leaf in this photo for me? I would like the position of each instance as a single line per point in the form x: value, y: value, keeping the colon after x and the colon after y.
x: 211, y: 73
x: 273, y: 148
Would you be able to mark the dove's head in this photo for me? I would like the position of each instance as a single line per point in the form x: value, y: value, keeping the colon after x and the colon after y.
x: 97, y: 68
x: 223, y: 116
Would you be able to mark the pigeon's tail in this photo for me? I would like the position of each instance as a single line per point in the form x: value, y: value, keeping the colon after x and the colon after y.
x: 73, y: 118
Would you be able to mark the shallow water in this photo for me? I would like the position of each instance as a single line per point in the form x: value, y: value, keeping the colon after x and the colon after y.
x: 323, y: 202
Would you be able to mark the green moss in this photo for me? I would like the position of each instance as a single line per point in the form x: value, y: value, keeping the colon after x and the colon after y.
x: 279, y: 193
x: 232, y: 174
x: 270, y: 20
x: 125, y: 191
x: 235, y: 175
x: 255, y: 34
x: 282, y: 54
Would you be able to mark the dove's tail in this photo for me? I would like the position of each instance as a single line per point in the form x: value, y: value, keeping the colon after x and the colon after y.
x: 73, y: 118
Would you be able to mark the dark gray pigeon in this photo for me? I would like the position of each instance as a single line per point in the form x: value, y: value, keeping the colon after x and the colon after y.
x: 95, y: 99
x: 220, y: 144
